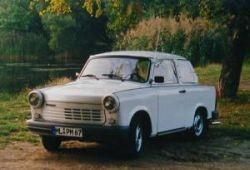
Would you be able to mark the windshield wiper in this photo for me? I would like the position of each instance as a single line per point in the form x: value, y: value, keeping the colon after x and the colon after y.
x: 113, y: 76
x: 90, y: 75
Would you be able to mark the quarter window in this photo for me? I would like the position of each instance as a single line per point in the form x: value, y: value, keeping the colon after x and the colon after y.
x: 186, y: 72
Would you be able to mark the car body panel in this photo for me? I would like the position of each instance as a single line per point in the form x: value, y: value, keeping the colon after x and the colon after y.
x: 87, y: 90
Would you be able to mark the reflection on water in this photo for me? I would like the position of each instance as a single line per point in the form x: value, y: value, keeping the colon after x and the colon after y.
x: 15, y: 77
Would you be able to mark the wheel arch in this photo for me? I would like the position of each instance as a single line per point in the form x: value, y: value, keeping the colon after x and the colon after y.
x: 143, y: 116
x: 203, y: 110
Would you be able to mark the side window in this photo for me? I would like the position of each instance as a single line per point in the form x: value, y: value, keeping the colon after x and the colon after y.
x: 186, y: 72
x: 166, y: 69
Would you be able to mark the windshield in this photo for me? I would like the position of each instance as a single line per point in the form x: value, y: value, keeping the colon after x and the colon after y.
x: 123, y: 68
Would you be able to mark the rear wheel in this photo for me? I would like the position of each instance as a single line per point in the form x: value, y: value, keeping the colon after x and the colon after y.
x: 51, y: 144
x: 199, y: 126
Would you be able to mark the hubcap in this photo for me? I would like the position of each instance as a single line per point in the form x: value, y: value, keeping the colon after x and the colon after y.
x: 138, y: 138
x: 198, y: 125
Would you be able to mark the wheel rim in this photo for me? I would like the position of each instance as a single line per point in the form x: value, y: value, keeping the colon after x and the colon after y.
x: 198, y: 125
x: 138, y: 138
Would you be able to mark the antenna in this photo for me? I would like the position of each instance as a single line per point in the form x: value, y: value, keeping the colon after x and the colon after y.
x: 157, y: 41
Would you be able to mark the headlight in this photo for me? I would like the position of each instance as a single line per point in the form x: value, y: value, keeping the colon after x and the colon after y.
x: 111, y: 103
x: 36, y: 99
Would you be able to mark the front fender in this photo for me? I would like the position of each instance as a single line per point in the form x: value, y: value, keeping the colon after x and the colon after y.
x: 134, y: 101
x: 139, y: 109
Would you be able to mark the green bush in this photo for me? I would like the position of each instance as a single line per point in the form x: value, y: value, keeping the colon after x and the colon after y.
x: 21, y: 47
x: 198, y: 40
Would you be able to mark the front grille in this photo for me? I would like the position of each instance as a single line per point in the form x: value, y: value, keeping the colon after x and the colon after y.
x: 74, y: 113
x: 82, y: 114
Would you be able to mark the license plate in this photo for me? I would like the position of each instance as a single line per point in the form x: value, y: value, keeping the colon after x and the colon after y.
x: 70, y: 132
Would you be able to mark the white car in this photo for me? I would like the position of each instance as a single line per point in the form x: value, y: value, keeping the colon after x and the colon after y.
x: 125, y: 96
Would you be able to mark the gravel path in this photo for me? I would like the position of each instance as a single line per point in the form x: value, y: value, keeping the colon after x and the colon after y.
x: 76, y: 155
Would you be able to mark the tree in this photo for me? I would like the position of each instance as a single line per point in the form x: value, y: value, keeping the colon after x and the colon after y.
x: 16, y: 16
x: 125, y: 14
x: 235, y: 15
x: 73, y: 33
x: 121, y: 14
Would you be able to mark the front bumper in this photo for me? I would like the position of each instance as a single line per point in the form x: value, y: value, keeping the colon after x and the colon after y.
x: 90, y: 132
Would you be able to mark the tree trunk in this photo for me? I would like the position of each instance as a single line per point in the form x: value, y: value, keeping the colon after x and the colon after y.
x: 231, y: 68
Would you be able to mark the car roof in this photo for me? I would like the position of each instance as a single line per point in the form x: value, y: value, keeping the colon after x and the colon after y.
x: 143, y: 54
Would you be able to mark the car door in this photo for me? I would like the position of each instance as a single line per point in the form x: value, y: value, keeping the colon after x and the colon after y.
x: 169, y: 97
x: 188, y: 81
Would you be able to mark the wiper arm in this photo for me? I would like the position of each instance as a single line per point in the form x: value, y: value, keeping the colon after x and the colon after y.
x: 113, y: 76
x: 90, y: 75
x: 127, y: 76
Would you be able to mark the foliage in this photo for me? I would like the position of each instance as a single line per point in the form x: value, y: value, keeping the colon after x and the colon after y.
x: 94, y: 6
x: 234, y: 14
x: 16, y: 16
x: 58, y: 6
x: 125, y: 14
x: 199, y: 40
x: 34, y: 30
x: 51, y: 6
x: 22, y: 37
x: 122, y: 14
x: 22, y: 47
x: 73, y: 33
x: 61, y: 29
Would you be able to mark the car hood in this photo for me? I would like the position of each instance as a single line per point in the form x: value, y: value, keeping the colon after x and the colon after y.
x: 87, y: 91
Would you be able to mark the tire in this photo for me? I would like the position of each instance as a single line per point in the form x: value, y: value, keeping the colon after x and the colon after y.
x: 137, y: 138
x: 51, y: 144
x: 200, y: 126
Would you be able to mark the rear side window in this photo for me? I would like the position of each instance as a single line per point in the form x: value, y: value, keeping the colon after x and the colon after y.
x: 186, y: 72
x: 165, y: 68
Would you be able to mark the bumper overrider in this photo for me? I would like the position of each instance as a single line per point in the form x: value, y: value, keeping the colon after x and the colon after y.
x: 90, y: 132
x: 215, y: 115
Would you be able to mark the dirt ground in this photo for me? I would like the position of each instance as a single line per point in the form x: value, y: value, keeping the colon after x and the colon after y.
x: 161, y: 153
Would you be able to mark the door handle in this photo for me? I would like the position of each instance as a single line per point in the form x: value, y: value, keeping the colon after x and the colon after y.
x: 182, y: 91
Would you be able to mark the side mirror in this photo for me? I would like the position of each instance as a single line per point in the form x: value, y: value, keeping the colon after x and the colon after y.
x: 159, y: 79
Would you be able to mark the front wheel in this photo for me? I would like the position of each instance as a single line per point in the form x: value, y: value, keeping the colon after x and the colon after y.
x: 51, y: 144
x: 137, y: 138
x: 199, y: 126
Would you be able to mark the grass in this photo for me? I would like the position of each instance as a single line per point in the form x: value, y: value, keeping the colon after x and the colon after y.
x: 14, y: 111
x: 235, y: 115
x: 210, y: 75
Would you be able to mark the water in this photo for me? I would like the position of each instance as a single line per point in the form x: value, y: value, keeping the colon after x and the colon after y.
x: 15, y: 77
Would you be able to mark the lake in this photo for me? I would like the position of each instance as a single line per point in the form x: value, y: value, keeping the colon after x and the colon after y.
x: 16, y: 76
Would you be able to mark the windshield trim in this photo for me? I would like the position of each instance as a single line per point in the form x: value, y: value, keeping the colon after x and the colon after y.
x: 119, y: 56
